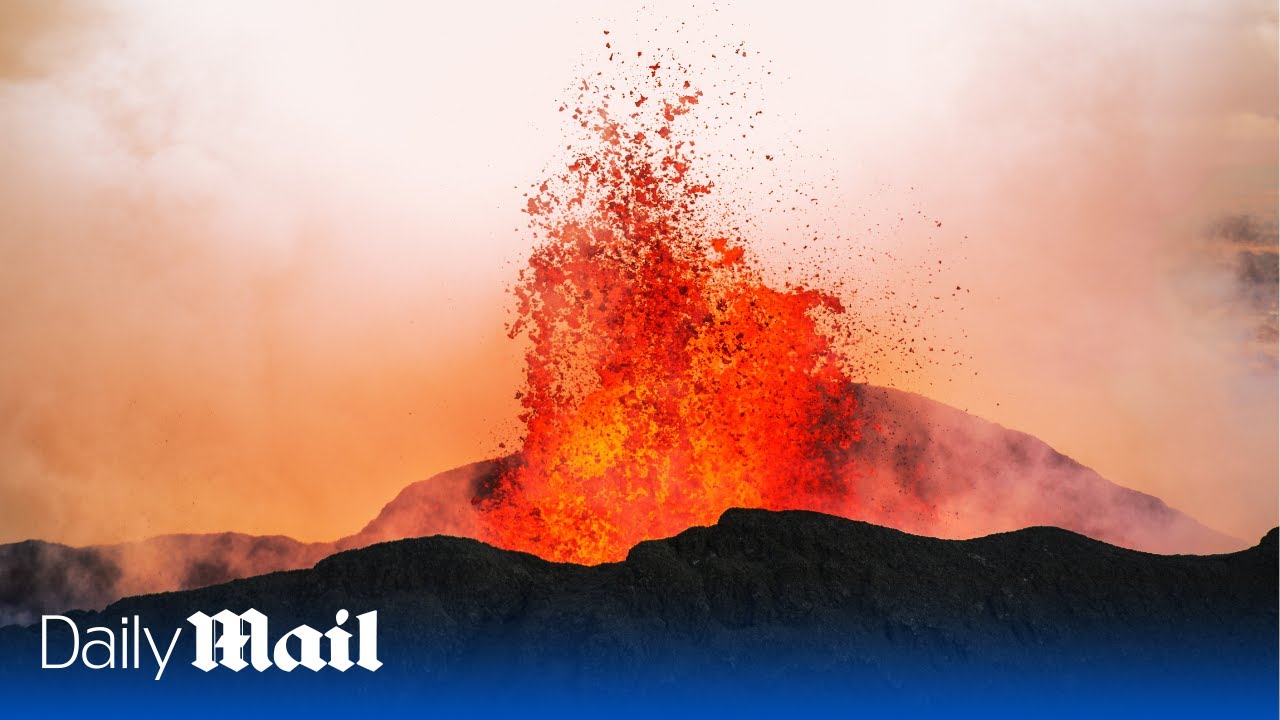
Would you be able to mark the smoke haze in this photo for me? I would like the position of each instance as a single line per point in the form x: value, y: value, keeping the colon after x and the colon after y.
x: 252, y: 256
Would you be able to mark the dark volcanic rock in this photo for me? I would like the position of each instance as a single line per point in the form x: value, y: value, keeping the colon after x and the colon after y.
x: 790, y: 593
x: 38, y: 577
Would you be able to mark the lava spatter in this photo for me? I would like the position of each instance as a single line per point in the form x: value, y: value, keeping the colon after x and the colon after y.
x: 665, y: 381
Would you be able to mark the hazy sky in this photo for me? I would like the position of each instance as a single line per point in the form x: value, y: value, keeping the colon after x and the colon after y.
x: 253, y: 255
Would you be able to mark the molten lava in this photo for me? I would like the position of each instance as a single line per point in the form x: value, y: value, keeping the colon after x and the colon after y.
x: 665, y: 381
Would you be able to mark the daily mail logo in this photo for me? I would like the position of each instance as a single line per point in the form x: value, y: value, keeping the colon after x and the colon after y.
x: 235, y: 641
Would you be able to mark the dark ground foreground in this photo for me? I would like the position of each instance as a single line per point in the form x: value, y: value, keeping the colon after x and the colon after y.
x: 763, y: 614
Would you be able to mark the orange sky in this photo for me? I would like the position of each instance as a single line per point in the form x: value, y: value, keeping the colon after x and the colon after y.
x: 253, y: 255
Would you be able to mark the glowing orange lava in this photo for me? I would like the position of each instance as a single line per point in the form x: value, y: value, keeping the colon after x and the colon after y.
x: 665, y: 381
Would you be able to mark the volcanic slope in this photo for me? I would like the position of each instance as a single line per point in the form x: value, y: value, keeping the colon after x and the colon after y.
x: 981, y: 477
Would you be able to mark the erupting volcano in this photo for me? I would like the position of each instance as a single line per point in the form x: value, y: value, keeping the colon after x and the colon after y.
x: 666, y: 382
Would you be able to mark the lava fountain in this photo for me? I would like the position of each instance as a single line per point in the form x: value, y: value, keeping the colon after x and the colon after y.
x: 665, y: 380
